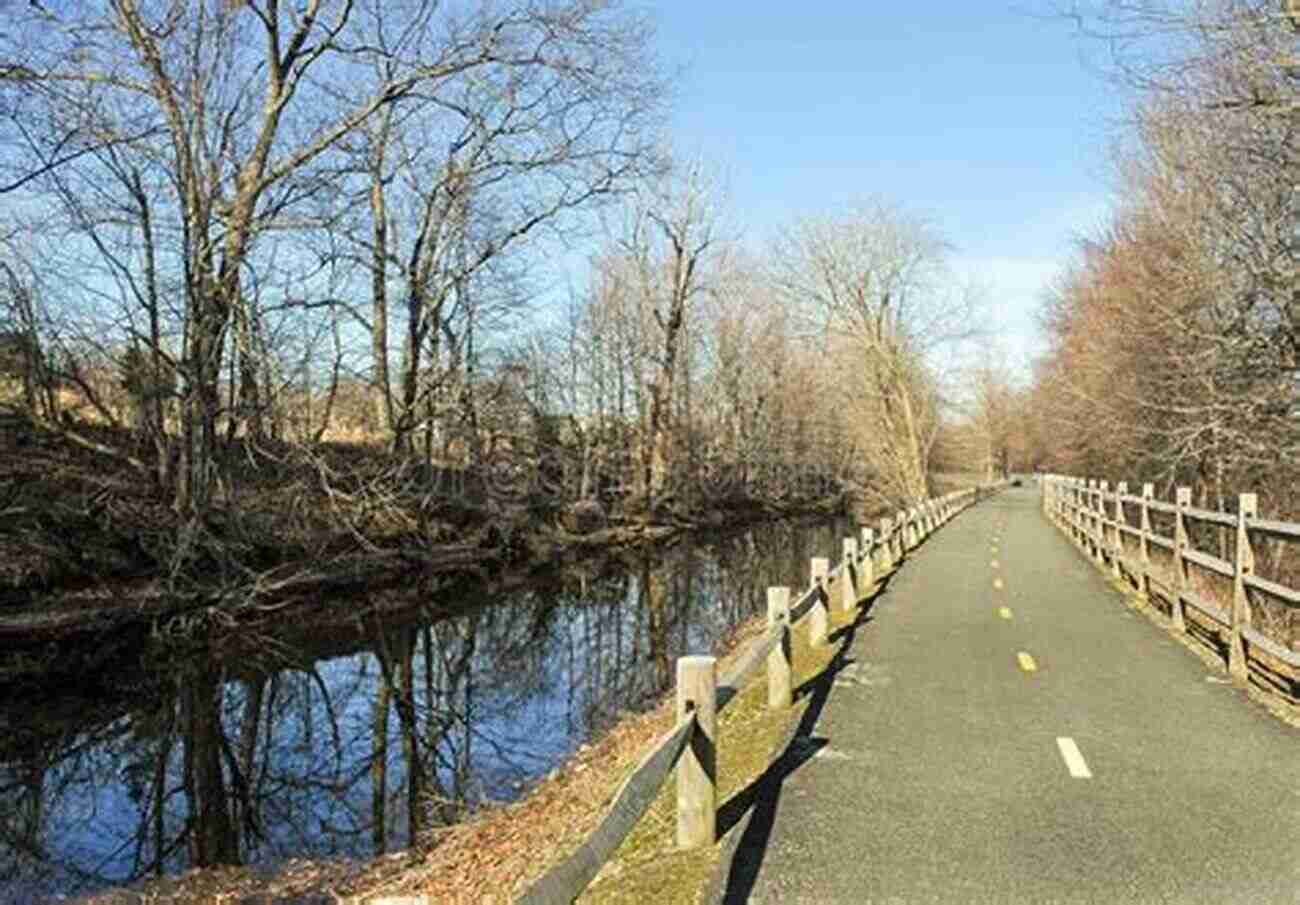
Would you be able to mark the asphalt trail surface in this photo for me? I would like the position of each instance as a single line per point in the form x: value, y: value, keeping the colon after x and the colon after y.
x: 1004, y: 729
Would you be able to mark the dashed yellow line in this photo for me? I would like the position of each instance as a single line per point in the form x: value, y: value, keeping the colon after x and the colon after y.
x: 1004, y: 612
x: 994, y: 564
x: 997, y: 584
x: 1026, y: 662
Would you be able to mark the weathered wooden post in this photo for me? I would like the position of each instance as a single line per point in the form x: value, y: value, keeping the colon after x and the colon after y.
x: 1182, y: 499
x: 1243, y: 565
x: 1121, y: 522
x: 819, y: 615
x: 868, y: 578
x: 1067, y: 507
x: 1085, y: 513
x: 780, y: 670
x: 1092, y: 518
x: 1064, y: 517
x: 1080, y: 492
x: 1081, y: 514
x: 697, y: 769
x: 1144, y: 542
x: 900, y: 535
x: 849, y: 575
x: 1076, y: 513
x: 1078, y: 519
x: 1099, y: 535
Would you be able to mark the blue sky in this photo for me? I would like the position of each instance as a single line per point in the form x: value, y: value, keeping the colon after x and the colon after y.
x: 983, y: 116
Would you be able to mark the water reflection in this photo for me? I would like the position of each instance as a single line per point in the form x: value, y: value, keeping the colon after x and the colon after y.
x: 350, y: 732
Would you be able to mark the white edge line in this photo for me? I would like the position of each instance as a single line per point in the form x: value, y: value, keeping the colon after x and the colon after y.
x: 1073, y: 759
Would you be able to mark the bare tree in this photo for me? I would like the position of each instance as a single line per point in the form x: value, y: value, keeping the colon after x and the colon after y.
x: 673, y: 228
x: 218, y: 124
x: 873, y: 280
x: 1176, y: 339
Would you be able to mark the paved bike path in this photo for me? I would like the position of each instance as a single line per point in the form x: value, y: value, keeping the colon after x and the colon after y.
x: 949, y: 773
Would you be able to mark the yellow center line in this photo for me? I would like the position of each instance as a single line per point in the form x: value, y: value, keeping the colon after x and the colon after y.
x: 1026, y: 662
x: 994, y: 564
x: 997, y: 584
x: 1004, y: 612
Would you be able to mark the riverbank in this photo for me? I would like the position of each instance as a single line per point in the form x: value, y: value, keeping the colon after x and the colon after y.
x: 496, y: 853
x: 87, y: 547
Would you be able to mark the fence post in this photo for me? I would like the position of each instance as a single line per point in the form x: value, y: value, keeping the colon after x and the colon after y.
x: 1072, y: 511
x: 780, y: 671
x: 819, y: 615
x: 1084, y: 495
x: 900, y: 536
x: 1144, y: 580
x: 886, y: 545
x: 1121, y: 522
x: 1094, y: 503
x: 1064, y: 498
x: 1182, y: 499
x: 1102, y: 543
x: 868, y: 561
x: 1244, y: 564
x: 697, y: 792
x: 1085, y: 519
x: 849, y: 572
x: 1076, y: 511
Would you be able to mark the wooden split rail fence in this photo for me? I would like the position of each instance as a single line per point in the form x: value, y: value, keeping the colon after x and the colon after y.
x: 691, y: 745
x: 1096, y: 518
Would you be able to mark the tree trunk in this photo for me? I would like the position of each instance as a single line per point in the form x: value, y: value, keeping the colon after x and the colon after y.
x: 213, y: 840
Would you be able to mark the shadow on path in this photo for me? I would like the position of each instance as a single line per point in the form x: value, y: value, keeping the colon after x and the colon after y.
x: 759, y: 799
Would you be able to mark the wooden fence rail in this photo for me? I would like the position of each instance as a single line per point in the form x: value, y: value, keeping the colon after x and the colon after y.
x: 1095, y: 518
x: 691, y: 745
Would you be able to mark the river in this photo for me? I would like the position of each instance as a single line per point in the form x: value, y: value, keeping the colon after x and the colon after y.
x: 337, y: 734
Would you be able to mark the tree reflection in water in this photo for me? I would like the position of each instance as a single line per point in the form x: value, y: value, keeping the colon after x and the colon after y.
x: 350, y: 736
